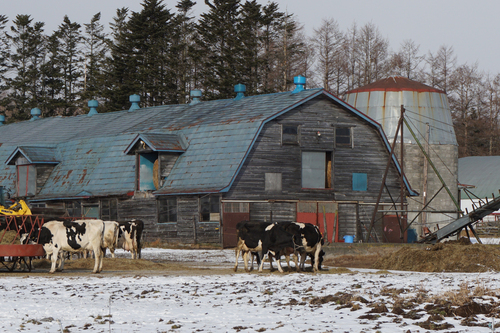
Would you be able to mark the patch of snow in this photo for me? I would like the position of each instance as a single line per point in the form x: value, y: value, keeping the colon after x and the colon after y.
x: 239, y: 302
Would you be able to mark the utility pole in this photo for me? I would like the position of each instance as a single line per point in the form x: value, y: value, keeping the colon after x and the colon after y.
x: 426, y: 166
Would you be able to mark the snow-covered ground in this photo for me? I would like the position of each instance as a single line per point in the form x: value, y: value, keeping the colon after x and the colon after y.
x: 239, y: 302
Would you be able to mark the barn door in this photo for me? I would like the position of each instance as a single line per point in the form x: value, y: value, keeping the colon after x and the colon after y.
x: 322, y: 214
x: 233, y: 213
x: 392, y: 231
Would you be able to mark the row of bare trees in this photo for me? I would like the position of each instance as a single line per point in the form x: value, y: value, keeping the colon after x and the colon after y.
x: 344, y: 60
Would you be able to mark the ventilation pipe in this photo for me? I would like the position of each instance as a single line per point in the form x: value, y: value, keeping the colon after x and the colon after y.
x: 93, y: 104
x: 35, y: 113
x: 195, y: 96
x: 299, y: 82
x: 239, y: 89
x: 2, y: 119
x: 134, y: 99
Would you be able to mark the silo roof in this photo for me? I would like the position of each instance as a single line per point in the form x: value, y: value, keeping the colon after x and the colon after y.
x: 396, y: 83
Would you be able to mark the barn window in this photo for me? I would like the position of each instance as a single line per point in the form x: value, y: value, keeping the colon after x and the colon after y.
x: 167, y: 209
x: 26, y: 180
x: 316, y: 169
x: 74, y: 208
x: 359, y: 182
x: 273, y: 182
x: 290, y: 134
x: 343, y: 137
x: 209, y: 208
x: 109, y: 210
x: 147, y: 172
x: 91, y: 210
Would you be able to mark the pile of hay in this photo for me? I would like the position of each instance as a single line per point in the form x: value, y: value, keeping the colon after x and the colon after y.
x: 455, y: 256
x: 9, y: 237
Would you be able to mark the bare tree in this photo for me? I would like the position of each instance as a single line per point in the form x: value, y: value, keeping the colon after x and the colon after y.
x: 327, y: 41
x: 465, y: 96
x: 406, y: 62
x: 442, y: 65
x: 372, y: 53
x: 492, y: 87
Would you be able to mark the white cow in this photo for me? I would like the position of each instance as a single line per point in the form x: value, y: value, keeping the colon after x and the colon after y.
x: 78, y: 236
x: 110, y: 240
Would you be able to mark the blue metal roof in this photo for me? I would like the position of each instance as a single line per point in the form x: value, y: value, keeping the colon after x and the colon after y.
x: 480, y: 172
x: 35, y: 155
x: 214, y: 136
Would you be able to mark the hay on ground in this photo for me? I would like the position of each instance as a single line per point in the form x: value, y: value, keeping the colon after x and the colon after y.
x: 453, y: 256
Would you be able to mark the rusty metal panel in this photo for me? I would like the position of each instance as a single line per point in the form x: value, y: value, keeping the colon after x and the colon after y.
x: 382, y: 102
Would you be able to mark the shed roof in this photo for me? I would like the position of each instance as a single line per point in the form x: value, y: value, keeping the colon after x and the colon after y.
x: 482, y: 173
x: 214, y: 136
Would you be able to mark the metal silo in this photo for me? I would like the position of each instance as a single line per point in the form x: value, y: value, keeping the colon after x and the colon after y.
x: 428, y: 114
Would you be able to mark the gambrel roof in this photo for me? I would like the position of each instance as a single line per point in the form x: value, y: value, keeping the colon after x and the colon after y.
x: 213, y: 139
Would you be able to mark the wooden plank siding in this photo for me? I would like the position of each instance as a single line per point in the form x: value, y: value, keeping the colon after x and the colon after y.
x: 367, y: 155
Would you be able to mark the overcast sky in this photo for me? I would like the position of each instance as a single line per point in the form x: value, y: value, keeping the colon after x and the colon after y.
x: 471, y: 27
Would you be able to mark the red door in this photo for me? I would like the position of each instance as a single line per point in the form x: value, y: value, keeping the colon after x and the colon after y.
x: 233, y: 213
x: 392, y: 231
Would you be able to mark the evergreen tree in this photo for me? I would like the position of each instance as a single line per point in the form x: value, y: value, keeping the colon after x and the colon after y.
x: 4, y: 50
x: 71, y: 63
x: 271, y: 34
x: 52, y: 83
x: 182, y: 51
x: 221, y: 44
x: 249, y: 33
x: 24, y: 85
x: 149, y: 33
x: 95, y: 47
x: 120, y: 65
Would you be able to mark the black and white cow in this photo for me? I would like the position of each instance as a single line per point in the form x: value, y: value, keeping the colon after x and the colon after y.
x: 110, y: 239
x: 56, y: 236
x: 131, y: 231
x: 263, y: 238
x: 310, y: 241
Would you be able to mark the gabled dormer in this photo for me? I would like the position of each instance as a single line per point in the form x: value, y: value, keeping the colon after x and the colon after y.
x: 156, y: 155
x: 33, y: 166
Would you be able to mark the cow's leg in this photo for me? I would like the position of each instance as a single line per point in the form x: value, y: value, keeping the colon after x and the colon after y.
x: 112, y: 250
x: 303, y: 256
x: 296, y: 260
x: 316, y: 258
x: 55, y: 256
x: 237, y: 253
x: 98, y: 259
x: 245, y: 260
x: 62, y: 257
x: 278, y: 261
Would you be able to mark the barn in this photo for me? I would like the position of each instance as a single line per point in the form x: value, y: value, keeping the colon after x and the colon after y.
x: 192, y: 171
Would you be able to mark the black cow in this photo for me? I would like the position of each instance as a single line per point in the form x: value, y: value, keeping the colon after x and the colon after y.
x: 131, y: 231
x: 310, y: 240
x: 262, y: 237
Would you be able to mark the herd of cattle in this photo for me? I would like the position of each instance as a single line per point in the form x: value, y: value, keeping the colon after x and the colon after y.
x: 277, y: 239
x: 255, y: 240
x: 85, y: 236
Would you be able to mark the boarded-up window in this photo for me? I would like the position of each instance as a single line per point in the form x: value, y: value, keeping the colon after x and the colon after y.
x: 316, y: 169
x: 26, y: 180
x: 273, y: 182
x: 236, y: 207
x: 289, y: 134
x: 359, y: 181
x: 209, y: 208
x: 109, y: 209
x: 343, y: 137
x: 167, y: 209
